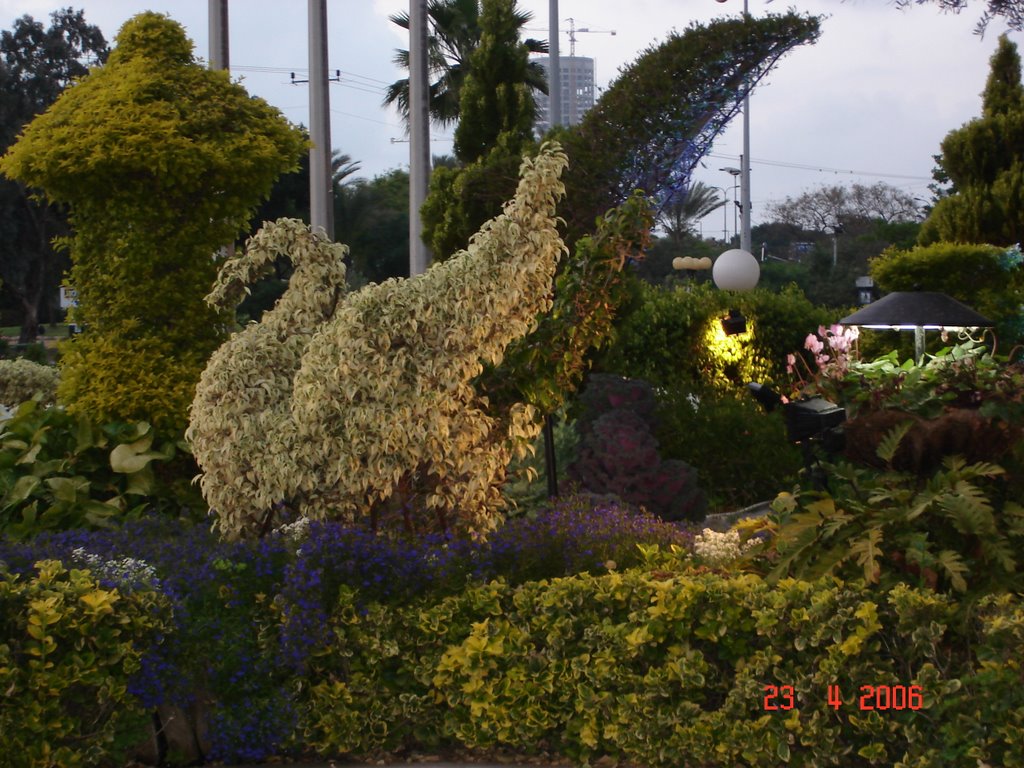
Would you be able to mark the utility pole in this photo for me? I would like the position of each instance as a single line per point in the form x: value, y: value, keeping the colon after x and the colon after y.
x: 419, y: 135
x: 220, y: 59
x: 218, y: 10
x: 745, y: 161
x: 554, y: 67
x: 321, y: 191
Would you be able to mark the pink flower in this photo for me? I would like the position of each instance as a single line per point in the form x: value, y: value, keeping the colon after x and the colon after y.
x: 813, y: 344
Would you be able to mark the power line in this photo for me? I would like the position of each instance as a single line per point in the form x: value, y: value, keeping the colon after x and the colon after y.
x: 366, y: 80
x: 826, y: 169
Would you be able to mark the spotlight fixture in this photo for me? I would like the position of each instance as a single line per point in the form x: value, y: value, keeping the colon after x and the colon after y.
x: 767, y: 397
x: 734, y: 323
x: 812, y: 418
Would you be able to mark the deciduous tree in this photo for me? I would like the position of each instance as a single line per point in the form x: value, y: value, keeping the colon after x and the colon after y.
x: 36, y: 64
x: 829, y: 207
x: 1010, y: 11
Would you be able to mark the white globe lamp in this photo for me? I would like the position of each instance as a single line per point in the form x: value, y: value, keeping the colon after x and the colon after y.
x: 736, y: 270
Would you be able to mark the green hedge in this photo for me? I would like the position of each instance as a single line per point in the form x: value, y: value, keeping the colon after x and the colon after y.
x: 68, y: 647
x: 672, y: 337
x: 670, y: 669
x: 664, y: 665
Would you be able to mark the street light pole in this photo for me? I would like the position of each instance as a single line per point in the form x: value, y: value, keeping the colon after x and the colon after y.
x: 321, y: 188
x: 745, y: 162
x: 554, y: 67
x: 736, y: 173
x: 419, y: 134
x: 745, y: 159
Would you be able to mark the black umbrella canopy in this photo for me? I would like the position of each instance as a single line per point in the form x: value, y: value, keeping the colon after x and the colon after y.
x: 917, y: 309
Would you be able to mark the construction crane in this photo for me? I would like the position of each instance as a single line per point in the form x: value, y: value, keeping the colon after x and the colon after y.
x: 573, y: 31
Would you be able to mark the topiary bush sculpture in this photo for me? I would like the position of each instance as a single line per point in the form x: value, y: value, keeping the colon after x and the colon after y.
x: 241, y: 430
x: 375, y: 417
x: 619, y: 454
x: 161, y: 162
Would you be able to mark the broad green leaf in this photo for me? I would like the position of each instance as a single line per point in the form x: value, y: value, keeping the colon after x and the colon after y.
x: 24, y: 487
x: 68, y: 489
x: 126, y: 458
x: 955, y: 568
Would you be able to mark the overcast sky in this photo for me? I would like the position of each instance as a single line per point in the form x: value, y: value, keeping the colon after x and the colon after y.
x: 871, y: 101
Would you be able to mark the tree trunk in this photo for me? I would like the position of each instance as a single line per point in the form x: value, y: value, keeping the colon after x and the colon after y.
x: 29, y: 320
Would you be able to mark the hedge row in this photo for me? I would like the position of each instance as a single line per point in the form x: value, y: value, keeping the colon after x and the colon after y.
x: 674, y: 669
x: 658, y: 667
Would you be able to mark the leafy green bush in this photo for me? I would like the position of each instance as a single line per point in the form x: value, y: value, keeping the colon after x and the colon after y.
x: 67, y: 650
x: 22, y: 379
x: 60, y: 471
x: 664, y: 669
x: 660, y: 665
x: 741, y: 453
x: 987, y: 278
x: 161, y: 161
x: 34, y: 352
x: 952, y: 531
x: 673, y: 338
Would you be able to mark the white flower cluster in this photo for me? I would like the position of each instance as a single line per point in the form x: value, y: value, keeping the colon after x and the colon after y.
x: 296, y: 532
x: 126, y: 571
x: 716, y: 549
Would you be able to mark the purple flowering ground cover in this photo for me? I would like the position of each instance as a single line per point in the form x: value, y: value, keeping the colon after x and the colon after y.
x: 248, y: 615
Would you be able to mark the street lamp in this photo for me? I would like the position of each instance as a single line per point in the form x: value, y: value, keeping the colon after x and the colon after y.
x: 735, y: 173
x: 917, y: 311
x: 725, y: 213
x: 745, y: 160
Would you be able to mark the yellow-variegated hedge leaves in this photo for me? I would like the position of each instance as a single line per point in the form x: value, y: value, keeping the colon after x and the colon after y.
x: 365, y: 411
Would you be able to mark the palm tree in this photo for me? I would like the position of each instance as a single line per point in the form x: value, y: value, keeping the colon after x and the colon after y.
x: 342, y: 166
x: 453, y: 35
x: 680, y: 215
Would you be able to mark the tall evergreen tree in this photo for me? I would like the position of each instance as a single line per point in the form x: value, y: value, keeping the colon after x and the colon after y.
x: 984, y: 161
x: 496, y: 98
x: 1003, y: 91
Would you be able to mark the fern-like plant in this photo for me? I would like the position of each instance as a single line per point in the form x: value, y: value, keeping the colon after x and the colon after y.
x: 952, y: 531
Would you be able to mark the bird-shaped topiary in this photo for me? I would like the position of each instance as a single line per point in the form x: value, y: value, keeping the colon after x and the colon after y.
x: 362, y: 407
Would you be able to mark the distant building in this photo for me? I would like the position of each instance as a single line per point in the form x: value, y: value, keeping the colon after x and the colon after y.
x: 577, y: 90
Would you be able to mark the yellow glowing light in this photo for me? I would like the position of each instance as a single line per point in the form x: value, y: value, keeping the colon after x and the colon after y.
x: 726, y: 349
x: 731, y: 361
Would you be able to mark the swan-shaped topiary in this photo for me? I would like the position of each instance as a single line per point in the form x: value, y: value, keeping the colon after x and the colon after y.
x: 362, y: 408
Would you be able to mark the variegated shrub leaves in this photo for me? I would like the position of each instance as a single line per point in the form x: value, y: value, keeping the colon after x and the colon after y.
x: 366, y: 410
